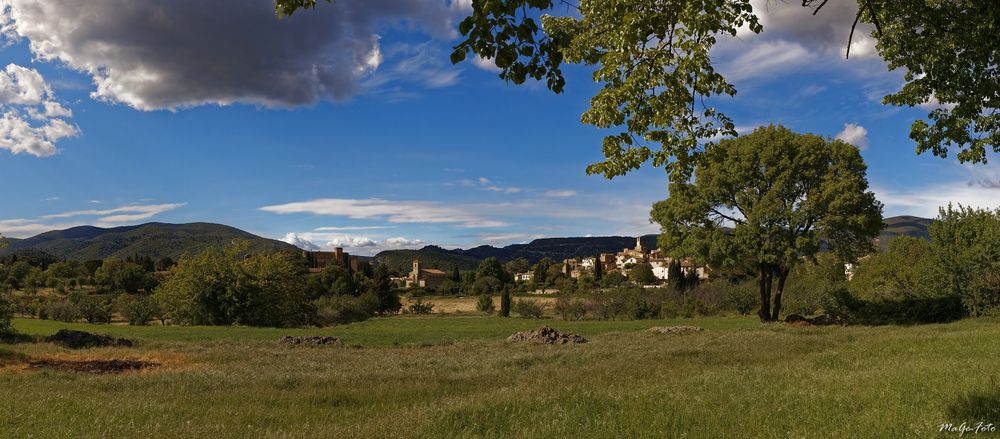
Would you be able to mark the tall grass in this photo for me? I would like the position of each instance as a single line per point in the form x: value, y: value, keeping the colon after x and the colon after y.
x: 455, y: 377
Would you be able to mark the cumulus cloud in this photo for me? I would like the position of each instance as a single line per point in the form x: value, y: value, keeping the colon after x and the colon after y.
x: 854, y: 134
x: 32, y: 121
x: 828, y: 31
x: 429, y: 212
x: 21, y: 228
x: 151, y: 54
x: 360, y: 245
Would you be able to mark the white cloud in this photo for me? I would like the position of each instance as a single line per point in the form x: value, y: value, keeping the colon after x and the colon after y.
x: 151, y: 54
x: 828, y: 31
x: 32, y: 120
x: 124, y: 214
x: 560, y: 193
x: 359, y: 245
x: 296, y: 240
x: 485, y: 184
x: 22, y: 228
x: 854, y: 134
x: 351, y: 228
x: 485, y: 64
x: 391, y: 211
x: 762, y: 59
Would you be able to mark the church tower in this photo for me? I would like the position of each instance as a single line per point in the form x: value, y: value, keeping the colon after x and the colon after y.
x: 638, y: 244
x: 416, y: 269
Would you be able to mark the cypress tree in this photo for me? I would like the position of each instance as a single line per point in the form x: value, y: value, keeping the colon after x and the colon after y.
x: 598, y: 269
x: 505, y: 303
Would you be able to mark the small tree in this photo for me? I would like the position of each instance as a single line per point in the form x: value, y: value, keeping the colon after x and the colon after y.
x: 382, y: 287
x: 642, y: 274
x: 505, y: 303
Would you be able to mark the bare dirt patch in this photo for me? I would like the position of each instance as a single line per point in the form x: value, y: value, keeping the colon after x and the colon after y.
x: 80, y: 339
x: 310, y: 340
x: 545, y: 335
x: 100, y: 367
x: 676, y: 329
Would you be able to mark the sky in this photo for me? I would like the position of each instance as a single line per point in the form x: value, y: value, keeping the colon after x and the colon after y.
x: 347, y: 126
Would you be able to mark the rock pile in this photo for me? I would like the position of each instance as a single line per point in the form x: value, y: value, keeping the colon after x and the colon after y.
x: 80, y: 339
x: 309, y: 340
x: 675, y: 329
x: 545, y: 335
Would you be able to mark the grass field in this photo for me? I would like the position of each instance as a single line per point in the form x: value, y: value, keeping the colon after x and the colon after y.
x: 456, y: 377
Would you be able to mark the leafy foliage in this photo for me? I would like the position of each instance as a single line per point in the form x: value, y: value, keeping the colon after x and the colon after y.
x: 485, y: 304
x: 762, y: 202
x: 528, y: 308
x: 223, y: 286
x: 949, y: 52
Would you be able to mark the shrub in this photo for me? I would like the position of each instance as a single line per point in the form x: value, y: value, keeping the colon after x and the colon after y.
x: 63, y: 311
x: 641, y: 308
x: 94, y: 310
x: 486, y: 285
x: 342, y: 309
x: 5, y: 315
x: 420, y: 307
x: 570, y: 308
x: 485, y: 304
x: 137, y: 310
x: 529, y: 308
x: 608, y: 305
x: 742, y: 297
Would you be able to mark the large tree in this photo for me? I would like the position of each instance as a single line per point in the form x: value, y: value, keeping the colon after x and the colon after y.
x: 766, y: 201
x: 653, y: 61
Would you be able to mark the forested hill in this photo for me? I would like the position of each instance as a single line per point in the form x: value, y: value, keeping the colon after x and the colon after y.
x: 156, y: 240
x: 904, y: 225
x: 558, y: 249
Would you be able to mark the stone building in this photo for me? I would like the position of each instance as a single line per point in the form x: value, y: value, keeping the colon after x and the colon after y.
x: 424, y: 277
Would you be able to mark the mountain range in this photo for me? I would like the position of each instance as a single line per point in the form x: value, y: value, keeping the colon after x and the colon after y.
x: 158, y: 240
x: 558, y: 249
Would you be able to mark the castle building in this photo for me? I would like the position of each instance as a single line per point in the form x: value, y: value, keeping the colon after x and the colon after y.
x: 320, y: 260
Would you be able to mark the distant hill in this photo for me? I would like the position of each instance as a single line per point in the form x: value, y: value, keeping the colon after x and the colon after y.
x: 904, y: 225
x: 558, y: 249
x: 156, y: 240
x: 432, y: 256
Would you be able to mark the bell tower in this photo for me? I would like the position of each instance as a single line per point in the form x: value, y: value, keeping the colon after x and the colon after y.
x: 638, y: 244
x: 416, y: 268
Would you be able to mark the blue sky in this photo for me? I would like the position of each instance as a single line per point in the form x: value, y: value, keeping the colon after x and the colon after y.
x: 347, y: 126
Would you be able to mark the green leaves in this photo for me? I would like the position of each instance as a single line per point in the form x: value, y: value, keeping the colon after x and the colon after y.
x: 285, y: 8
x: 652, y: 59
x: 949, y: 50
x: 771, y: 198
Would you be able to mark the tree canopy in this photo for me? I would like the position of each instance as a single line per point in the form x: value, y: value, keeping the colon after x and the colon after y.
x: 652, y: 61
x: 764, y: 201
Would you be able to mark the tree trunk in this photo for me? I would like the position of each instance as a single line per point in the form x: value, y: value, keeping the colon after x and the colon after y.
x: 782, y: 276
x: 765, y: 295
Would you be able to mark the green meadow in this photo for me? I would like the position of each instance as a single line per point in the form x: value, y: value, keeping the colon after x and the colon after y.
x: 457, y: 377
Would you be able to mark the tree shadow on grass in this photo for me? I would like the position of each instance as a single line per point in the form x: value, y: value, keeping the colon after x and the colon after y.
x: 976, y: 406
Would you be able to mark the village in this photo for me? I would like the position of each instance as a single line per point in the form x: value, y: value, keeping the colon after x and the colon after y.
x: 623, y: 262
